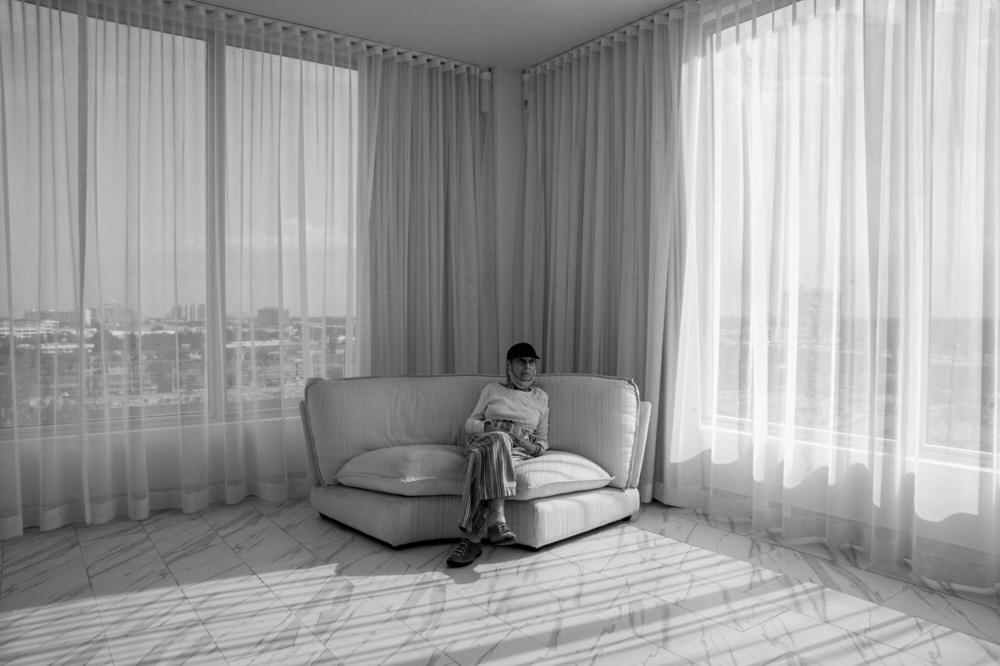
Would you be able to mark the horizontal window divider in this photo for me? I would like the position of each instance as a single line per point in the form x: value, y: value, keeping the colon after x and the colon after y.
x: 134, y: 425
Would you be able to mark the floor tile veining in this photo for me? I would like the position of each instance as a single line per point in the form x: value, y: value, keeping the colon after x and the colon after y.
x: 257, y: 582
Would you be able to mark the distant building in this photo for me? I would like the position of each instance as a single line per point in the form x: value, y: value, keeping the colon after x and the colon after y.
x: 115, y: 314
x: 119, y: 379
x: 61, y: 316
x: 26, y: 328
x: 189, y: 312
x: 111, y: 313
x: 272, y: 317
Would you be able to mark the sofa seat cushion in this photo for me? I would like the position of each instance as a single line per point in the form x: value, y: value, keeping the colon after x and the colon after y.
x: 439, y: 469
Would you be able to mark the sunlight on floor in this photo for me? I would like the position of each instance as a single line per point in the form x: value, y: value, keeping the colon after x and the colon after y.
x: 258, y: 582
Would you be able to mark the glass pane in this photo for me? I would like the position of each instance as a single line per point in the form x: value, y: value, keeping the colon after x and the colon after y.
x: 290, y: 170
x: 146, y: 261
x: 126, y: 353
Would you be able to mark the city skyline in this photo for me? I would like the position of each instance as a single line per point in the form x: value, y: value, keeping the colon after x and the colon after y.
x: 91, y: 312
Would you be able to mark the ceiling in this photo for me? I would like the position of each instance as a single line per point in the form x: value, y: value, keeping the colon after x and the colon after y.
x: 505, y: 33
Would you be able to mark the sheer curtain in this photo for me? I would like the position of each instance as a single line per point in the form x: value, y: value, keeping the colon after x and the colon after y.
x: 426, y: 211
x: 838, y: 351
x: 176, y: 200
x: 598, y: 248
x: 781, y: 218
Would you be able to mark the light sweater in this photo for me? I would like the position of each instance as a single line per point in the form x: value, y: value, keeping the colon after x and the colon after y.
x: 529, y: 408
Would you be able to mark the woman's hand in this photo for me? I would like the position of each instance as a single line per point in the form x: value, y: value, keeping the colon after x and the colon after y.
x: 532, y: 447
x: 521, y: 435
x: 527, y: 442
x: 501, y: 425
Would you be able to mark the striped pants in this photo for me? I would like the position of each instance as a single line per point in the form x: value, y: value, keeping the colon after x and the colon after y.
x: 489, y: 474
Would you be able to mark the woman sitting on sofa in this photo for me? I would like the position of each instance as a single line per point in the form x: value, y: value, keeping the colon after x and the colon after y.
x: 509, y: 424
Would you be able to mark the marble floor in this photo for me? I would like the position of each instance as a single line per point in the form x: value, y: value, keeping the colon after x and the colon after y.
x: 275, y: 583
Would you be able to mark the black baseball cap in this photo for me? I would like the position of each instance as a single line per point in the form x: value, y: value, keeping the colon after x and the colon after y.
x: 521, y: 350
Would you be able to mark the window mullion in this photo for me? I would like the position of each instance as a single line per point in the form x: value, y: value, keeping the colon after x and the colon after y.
x: 215, y: 219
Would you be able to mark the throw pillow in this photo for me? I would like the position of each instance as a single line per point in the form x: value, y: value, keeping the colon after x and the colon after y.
x: 557, y: 473
x: 414, y: 469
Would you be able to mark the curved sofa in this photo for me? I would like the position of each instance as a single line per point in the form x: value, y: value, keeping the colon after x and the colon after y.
x: 386, y: 458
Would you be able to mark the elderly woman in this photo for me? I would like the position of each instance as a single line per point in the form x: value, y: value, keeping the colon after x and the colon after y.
x: 509, y: 424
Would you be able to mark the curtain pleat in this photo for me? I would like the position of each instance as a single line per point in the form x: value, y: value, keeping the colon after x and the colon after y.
x: 600, y: 259
x: 426, y: 211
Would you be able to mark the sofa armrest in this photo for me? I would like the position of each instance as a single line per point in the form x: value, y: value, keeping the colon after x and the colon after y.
x: 639, y: 446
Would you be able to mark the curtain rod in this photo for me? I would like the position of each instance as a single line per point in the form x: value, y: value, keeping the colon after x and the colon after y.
x: 635, y: 22
x: 729, y: 10
x: 358, y: 41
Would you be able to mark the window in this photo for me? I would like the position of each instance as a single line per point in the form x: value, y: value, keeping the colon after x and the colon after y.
x: 853, y: 254
x: 203, y: 282
x: 290, y: 171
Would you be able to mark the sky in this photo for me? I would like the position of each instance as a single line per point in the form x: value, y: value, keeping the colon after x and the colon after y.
x: 290, y: 141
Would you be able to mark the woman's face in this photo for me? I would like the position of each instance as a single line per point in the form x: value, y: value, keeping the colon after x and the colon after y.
x: 522, y: 368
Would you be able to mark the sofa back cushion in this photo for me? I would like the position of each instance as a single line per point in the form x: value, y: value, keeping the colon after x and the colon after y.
x: 593, y: 416
x: 596, y: 417
x: 347, y: 417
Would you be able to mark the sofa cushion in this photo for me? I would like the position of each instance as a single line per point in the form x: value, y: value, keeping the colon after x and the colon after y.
x: 347, y: 417
x: 416, y: 469
x: 439, y: 469
x: 597, y: 418
x: 556, y: 473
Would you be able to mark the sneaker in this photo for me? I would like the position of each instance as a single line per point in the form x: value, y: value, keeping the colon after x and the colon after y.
x: 500, y: 535
x: 465, y: 552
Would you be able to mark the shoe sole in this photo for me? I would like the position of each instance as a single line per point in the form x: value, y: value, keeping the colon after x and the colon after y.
x: 454, y: 565
x: 509, y: 541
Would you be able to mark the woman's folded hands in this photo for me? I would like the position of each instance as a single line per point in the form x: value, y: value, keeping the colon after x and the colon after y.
x: 523, y: 437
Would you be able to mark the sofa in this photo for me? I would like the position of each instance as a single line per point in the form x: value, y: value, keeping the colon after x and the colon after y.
x: 386, y: 456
